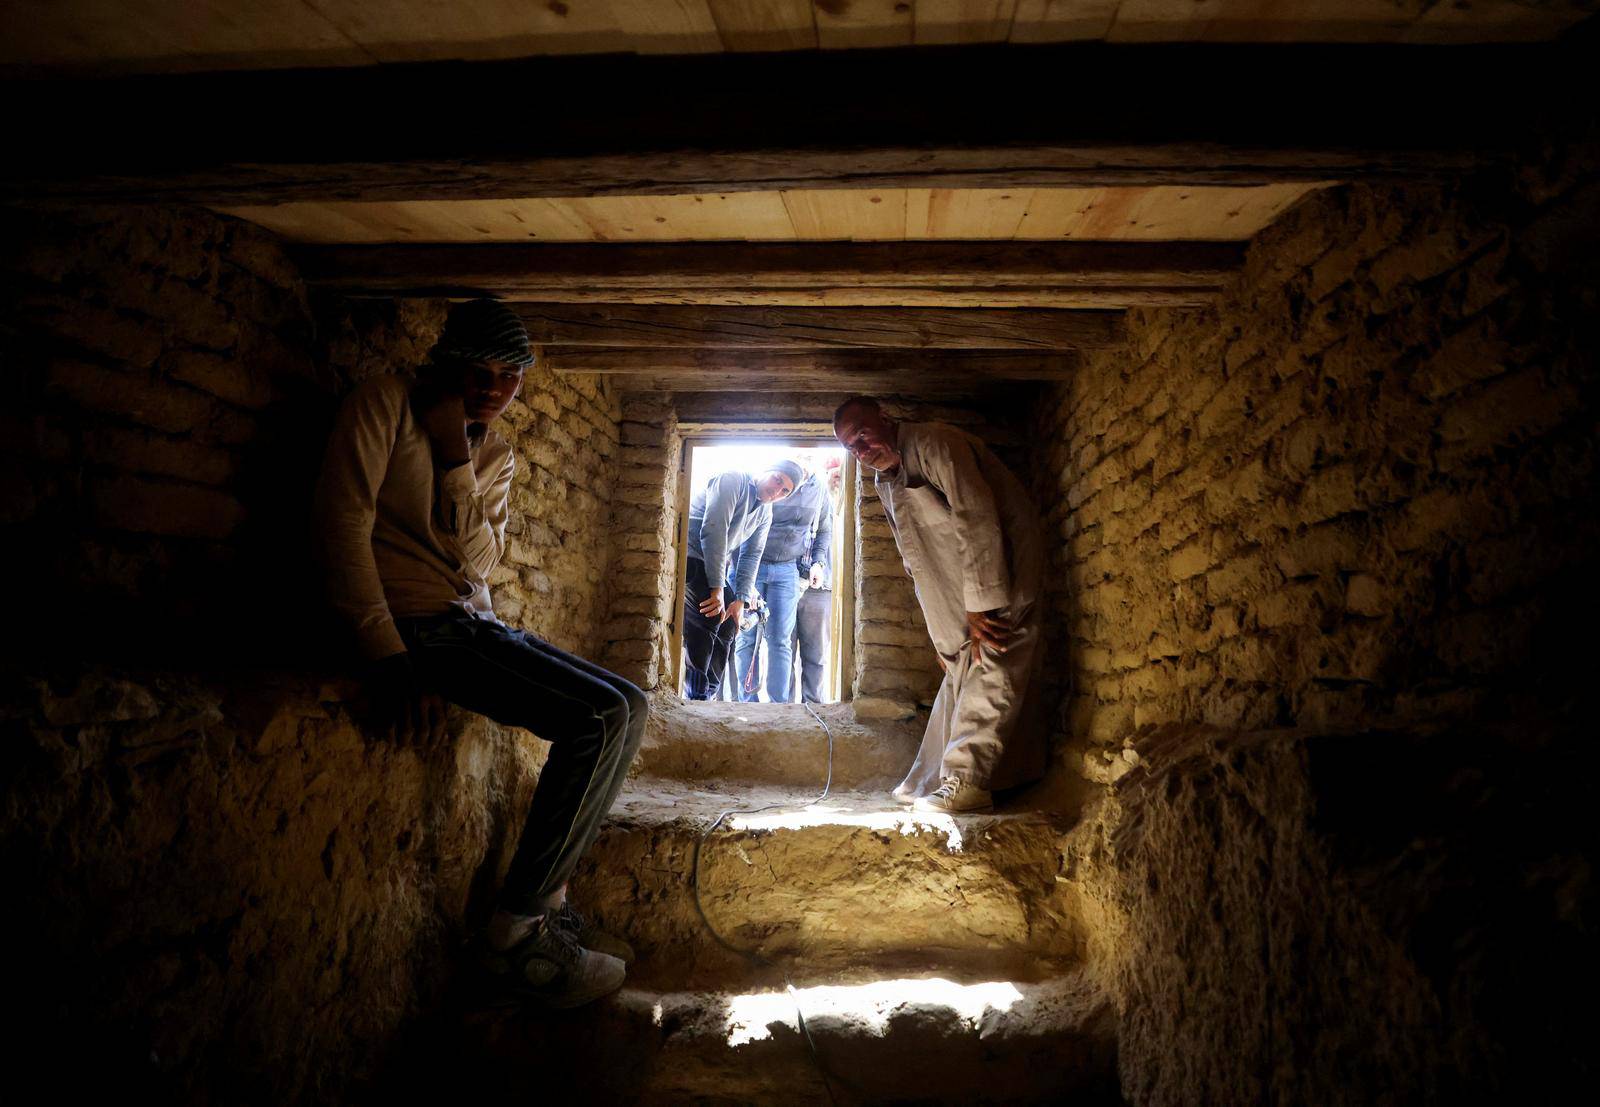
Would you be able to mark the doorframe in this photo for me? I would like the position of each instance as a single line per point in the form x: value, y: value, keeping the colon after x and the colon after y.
x: 808, y: 436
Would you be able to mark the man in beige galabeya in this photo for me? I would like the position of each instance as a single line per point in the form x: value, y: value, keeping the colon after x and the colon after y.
x: 969, y: 535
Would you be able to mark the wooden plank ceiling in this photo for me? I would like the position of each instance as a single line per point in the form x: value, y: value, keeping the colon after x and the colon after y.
x: 197, y: 35
x: 1101, y: 275
x: 955, y: 221
x: 1160, y: 214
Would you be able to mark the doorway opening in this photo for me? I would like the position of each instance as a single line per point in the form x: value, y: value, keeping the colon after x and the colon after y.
x: 812, y: 611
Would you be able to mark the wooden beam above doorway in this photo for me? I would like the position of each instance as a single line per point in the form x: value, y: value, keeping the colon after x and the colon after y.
x: 679, y: 326
x: 924, y: 274
x: 808, y: 371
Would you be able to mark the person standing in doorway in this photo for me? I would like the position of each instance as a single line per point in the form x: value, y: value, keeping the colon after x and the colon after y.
x: 732, y: 513
x: 411, y: 508
x: 796, y: 554
x: 969, y: 536
x: 815, y: 614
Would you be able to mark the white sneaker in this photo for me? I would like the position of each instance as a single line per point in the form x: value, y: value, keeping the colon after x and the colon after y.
x: 902, y: 794
x: 954, y: 796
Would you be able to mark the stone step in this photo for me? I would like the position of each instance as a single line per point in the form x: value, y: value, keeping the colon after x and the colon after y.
x: 907, y: 1036
x: 775, y: 743
x: 822, y: 883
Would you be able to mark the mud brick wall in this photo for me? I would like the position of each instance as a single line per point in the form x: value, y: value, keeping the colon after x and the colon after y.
x: 896, y: 671
x: 1371, y: 916
x: 644, y: 533
x: 225, y: 889
x: 1327, y: 557
x: 1359, y: 490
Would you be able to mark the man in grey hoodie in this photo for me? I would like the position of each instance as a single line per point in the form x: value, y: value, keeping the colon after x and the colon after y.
x: 797, y: 549
x: 732, y: 513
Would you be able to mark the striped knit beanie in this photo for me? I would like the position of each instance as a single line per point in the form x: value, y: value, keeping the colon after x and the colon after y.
x: 483, y: 330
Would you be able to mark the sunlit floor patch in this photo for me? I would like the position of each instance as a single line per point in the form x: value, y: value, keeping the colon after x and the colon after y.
x: 900, y: 820
x: 865, y: 1006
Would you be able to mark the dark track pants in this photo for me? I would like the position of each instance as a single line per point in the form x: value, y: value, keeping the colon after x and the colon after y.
x: 593, y: 719
x: 707, y: 643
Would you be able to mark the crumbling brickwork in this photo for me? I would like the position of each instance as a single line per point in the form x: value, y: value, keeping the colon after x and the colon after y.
x: 1354, y: 491
x: 644, y: 532
x: 1347, y: 517
x: 226, y: 889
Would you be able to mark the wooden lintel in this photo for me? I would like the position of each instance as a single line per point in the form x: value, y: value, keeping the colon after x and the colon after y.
x: 882, y: 384
x: 1043, y: 297
x: 780, y: 328
x: 819, y: 370
x: 1076, y: 115
x: 968, y: 274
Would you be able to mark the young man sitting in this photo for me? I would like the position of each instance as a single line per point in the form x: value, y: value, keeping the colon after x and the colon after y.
x: 412, y: 508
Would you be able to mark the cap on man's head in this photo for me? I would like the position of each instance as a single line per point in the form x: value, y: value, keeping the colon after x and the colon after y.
x: 789, y: 469
x: 484, y: 330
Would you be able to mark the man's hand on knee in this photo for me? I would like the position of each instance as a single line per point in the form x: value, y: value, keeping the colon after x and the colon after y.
x: 988, y: 628
x: 403, y: 710
x: 711, y: 607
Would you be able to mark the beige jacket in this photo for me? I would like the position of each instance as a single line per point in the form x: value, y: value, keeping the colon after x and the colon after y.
x: 398, y: 537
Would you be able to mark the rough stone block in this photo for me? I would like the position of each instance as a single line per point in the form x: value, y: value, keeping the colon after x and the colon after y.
x: 99, y: 330
x: 1189, y: 561
x: 168, y: 508
x: 140, y: 451
x: 1327, y: 494
x: 223, y: 377
x: 1502, y: 411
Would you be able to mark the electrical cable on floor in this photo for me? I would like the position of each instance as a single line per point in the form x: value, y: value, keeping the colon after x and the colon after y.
x: 749, y: 954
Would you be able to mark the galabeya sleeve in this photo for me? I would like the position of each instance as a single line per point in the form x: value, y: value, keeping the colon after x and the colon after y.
x: 950, y: 463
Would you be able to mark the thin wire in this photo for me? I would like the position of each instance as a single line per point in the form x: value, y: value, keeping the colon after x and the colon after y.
x: 749, y: 954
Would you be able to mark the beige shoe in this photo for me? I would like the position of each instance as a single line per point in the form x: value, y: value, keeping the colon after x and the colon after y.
x: 549, y: 968
x: 955, y: 797
x: 590, y: 936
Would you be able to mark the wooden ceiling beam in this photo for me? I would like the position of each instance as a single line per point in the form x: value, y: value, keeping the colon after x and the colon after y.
x: 878, y: 384
x: 809, y: 371
x: 1075, y: 115
x: 968, y: 274
x: 789, y: 328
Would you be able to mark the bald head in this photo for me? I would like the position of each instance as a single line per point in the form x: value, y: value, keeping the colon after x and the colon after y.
x: 856, y: 403
x: 871, y: 436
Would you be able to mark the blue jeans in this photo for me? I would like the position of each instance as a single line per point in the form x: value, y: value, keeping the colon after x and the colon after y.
x: 779, y: 585
x: 593, y: 719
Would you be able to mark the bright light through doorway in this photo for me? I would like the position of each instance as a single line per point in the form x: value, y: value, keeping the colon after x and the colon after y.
x: 829, y: 463
x: 867, y: 1006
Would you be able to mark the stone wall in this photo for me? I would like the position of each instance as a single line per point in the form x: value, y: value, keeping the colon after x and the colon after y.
x: 644, y: 530
x: 1355, y: 492
x: 1327, y: 559
x: 223, y: 888
x: 1344, y: 917
x: 896, y: 672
